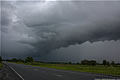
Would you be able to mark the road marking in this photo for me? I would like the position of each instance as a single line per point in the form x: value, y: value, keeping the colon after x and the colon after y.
x: 36, y: 69
x: 58, y: 75
x: 14, y: 71
x: 17, y: 73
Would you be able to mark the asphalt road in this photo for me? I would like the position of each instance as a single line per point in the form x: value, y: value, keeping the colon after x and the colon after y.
x: 27, y: 72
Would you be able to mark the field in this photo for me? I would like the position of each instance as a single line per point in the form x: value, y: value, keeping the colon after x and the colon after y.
x: 100, y: 69
x: 0, y: 65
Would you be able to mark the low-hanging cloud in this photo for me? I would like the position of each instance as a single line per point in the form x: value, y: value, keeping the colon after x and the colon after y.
x: 52, y: 25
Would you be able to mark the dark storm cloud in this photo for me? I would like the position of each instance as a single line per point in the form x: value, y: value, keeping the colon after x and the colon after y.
x: 6, y: 13
x: 69, y: 23
x: 47, y: 26
x: 12, y: 31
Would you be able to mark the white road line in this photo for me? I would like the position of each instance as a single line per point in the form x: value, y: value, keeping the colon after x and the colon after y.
x: 16, y: 73
x: 36, y: 69
x: 58, y: 75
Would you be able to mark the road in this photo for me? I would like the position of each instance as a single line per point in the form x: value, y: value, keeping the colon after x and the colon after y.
x: 27, y: 72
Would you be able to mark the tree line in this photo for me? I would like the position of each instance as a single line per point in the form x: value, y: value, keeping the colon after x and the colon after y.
x: 104, y: 62
x: 27, y: 59
x: 83, y: 62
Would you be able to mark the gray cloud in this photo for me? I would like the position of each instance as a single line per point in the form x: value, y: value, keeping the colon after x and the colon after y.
x: 73, y: 22
x: 47, y: 26
x: 100, y: 50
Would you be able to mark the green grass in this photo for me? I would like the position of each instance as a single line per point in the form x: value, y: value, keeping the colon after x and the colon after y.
x: 109, y: 70
x: 0, y: 65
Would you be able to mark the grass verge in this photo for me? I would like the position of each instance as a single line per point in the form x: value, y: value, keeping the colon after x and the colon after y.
x: 99, y: 69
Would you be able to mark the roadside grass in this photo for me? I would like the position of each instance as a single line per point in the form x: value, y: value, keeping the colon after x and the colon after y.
x: 99, y: 69
x: 0, y: 65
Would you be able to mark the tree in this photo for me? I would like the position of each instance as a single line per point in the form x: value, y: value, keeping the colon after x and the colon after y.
x: 69, y: 62
x: 14, y: 60
x: 77, y: 63
x: 107, y: 63
x: 89, y: 62
x: 113, y: 63
x: 29, y: 59
x: 104, y: 62
x: 0, y: 59
x: 85, y: 62
x: 20, y: 60
x: 93, y: 62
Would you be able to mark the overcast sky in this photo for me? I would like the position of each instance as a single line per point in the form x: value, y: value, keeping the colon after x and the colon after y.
x: 60, y: 30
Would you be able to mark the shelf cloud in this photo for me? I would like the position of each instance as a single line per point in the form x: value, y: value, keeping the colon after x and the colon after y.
x: 44, y: 26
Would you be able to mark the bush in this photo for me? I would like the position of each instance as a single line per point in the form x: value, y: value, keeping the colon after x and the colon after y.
x: 29, y: 59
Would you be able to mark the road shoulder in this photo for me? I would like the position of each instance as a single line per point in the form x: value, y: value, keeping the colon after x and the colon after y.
x: 7, y: 74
